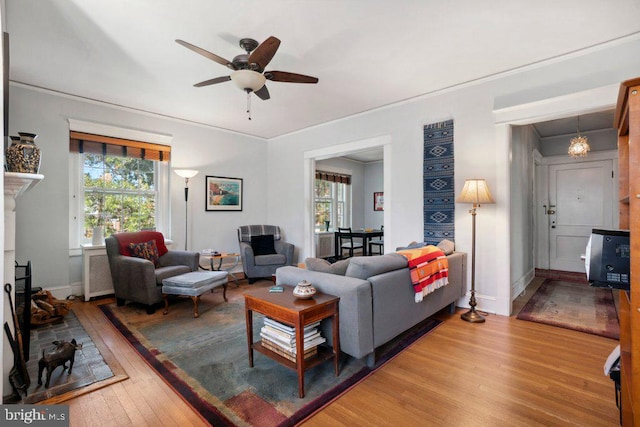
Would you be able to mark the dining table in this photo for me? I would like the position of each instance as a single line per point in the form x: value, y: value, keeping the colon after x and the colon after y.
x: 366, y: 234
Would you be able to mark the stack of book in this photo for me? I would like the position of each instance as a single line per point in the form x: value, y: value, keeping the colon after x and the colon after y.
x: 281, y: 339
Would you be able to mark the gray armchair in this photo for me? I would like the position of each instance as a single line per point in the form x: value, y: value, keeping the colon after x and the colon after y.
x: 267, y: 259
x: 138, y: 279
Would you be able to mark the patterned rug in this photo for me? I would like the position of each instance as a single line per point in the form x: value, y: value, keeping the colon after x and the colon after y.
x: 573, y: 305
x: 205, y: 360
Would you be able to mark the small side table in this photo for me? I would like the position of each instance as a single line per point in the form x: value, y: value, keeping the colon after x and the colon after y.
x: 219, y: 257
x: 286, y: 308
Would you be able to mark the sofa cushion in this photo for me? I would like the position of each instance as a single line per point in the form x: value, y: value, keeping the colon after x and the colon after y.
x: 263, y: 245
x: 446, y: 246
x: 146, y: 250
x: 363, y: 267
x: 140, y: 236
x: 322, y: 265
x: 412, y: 245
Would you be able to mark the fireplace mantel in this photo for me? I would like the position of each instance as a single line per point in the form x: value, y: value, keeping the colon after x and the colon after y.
x: 17, y: 183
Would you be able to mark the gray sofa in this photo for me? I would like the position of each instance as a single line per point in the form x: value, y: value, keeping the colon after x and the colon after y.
x: 377, y: 299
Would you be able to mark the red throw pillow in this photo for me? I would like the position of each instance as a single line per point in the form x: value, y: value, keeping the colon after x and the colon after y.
x: 140, y: 236
x: 147, y: 250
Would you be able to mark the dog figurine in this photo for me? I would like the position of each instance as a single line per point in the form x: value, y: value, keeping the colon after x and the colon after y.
x: 64, y: 351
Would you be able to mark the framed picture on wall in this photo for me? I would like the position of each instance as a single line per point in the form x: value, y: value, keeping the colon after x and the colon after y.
x: 223, y: 194
x: 378, y: 201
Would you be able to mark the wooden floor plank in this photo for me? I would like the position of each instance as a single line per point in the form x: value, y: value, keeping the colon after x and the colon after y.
x: 504, y: 372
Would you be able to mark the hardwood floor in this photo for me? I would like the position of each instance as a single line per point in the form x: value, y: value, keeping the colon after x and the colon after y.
x: 503, y: 372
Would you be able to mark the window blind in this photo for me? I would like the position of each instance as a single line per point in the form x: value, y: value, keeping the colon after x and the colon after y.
x: 333, y: 177
x: 80, y: 142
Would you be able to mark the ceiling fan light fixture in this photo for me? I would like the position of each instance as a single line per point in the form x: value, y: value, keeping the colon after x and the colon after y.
x: 248, y: 80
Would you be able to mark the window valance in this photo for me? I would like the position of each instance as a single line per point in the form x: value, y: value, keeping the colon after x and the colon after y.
x: 333, y: 177
x: 80, y: 142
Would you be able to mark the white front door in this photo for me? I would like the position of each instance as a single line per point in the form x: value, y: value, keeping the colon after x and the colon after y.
x: 580, y: 199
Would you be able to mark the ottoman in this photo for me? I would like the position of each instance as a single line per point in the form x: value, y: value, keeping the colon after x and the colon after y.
x: 193, y: 284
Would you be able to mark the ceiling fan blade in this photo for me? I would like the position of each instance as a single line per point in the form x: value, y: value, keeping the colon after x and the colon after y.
x: 264, y: 53
x: 263, y: 93
x: 283, y: 76
x: 213, y: 81
x: 206, y: 54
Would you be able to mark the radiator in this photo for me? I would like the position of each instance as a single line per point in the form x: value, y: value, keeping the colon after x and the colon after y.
x: 324, y: 245
x: 96, y: 275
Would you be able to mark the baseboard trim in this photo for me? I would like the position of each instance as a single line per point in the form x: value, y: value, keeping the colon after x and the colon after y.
x: 521, y: 284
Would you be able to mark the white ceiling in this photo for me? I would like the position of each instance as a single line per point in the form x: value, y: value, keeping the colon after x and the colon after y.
x: 366, y: 53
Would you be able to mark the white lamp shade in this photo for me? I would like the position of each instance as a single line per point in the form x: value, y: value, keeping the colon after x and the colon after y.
x: 186, y: 173
x: 248, y: 79
x: 475, y: 191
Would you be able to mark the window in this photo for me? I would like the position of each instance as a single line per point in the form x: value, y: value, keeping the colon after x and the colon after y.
x: 119, y: 194
x: 121, y: 185
x: 332, y: 201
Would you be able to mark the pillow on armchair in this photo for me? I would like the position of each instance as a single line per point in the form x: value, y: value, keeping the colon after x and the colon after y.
x: 146, y: 250
x: 263, y: 245
x: 141, y: 236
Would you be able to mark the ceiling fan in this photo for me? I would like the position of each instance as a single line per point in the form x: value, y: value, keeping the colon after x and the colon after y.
x: 249, y: 68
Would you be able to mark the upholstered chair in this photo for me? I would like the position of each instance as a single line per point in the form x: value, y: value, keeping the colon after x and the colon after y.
x: 263, y: 251
x: 139, y: 261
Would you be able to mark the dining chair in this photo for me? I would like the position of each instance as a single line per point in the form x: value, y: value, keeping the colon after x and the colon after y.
x: 345, y: 238
x: 379, y: 243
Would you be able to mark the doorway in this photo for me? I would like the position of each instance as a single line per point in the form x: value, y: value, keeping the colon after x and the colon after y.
x: 510, y: 248
x: 580, y: 199
x: 368, y: 145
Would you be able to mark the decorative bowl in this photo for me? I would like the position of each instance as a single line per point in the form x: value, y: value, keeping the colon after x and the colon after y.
x: 304, y: 290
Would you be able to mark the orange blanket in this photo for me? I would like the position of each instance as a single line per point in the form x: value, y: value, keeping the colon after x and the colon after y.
x: 429, y: 269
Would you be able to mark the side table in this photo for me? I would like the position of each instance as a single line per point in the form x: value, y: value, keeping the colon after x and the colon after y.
x: 217, y: 266
x: 284, y: 307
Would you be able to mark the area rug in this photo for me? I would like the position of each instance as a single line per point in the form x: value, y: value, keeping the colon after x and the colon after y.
x: 573, y: 305
x: 205, y: 360
x: 94, y: 366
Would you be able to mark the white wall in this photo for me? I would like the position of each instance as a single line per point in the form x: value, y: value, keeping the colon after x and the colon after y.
x: 479, y: 147
x: 373, y: 183
x: 43, y: 213
x: 524, y: 141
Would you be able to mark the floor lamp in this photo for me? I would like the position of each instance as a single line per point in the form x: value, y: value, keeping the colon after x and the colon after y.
x: 186, y: 174
x: 475, y: 191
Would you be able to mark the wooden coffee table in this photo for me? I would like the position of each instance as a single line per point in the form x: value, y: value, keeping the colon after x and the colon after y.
x: 286, y: 308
